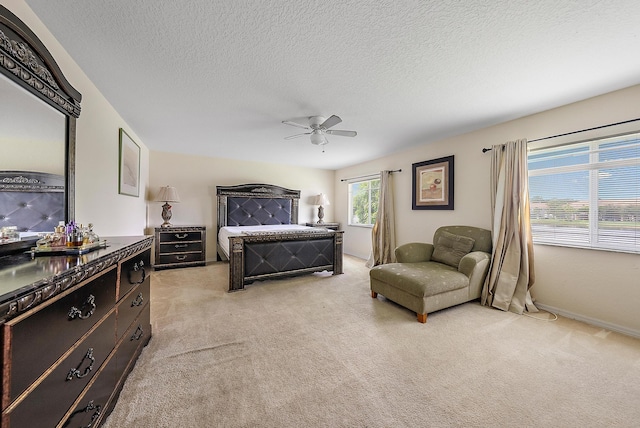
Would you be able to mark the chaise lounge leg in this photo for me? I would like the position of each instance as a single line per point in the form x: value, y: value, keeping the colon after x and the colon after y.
x: 374, y: 294
x: 422, y: 318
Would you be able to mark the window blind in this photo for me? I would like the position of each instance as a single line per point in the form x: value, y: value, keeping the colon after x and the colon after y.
x: 587, y: 194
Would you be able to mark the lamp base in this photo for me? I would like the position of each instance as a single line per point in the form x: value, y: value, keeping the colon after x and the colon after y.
x: 166, y: 215
x: 320, y: 215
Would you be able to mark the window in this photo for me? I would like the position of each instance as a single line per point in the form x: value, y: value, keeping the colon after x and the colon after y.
x: 587, y: 194
x: 363, y: 202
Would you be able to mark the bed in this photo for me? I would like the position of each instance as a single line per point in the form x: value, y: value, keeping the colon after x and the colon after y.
x: 258, y: 234
x: 30, y: 202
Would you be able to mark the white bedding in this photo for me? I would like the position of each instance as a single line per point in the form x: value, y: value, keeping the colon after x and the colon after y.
x: 228, y: 231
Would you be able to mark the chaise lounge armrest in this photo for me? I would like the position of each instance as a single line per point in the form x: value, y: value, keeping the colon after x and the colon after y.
x: 414, y: 252
x: 475, y: 265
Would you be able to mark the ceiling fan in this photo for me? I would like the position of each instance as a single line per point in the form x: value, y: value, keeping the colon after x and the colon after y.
x: 319, y: 127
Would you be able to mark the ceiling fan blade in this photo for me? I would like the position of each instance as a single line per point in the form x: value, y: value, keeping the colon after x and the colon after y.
x: 288, y: 122
x: 332, y: 121
x: 342, y: 132
x: 291, y: 137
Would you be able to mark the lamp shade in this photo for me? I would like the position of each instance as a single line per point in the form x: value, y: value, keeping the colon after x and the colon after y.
x: 318, y: 139
x: 321, y: 199
x: 167, y: 194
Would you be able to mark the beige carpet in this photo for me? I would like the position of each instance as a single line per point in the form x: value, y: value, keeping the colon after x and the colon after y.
x: 318, y: 351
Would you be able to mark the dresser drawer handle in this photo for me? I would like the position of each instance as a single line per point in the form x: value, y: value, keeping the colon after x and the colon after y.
x: 79, y: 313
x: 181, y: 245
x: 89, y: 407
x: 181, y: 236
x: 138, y: 301
x: 76, y: 371
x: 138, y: 333
x: 137, y: 268
x: 181, y: 258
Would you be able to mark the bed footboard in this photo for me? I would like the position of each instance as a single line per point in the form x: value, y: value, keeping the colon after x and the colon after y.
x: 259, y: 257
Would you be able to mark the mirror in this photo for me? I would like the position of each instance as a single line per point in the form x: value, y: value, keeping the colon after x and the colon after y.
x: 32, y: 133
x: 38, y: 111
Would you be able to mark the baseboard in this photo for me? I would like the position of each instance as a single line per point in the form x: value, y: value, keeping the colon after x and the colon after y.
x: 589, y: 320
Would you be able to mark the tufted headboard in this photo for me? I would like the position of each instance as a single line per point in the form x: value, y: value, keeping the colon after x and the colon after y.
x: 256, y: 204
x: 31, y: 201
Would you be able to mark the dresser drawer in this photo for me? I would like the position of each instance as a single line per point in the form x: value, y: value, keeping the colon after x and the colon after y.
x: 136, y: 336
x: 180, y: 247
x: 34, y: 341
x: 131, y: 305
x: 180, y: 236
x: 92, y: 407
x: 134, y: 271
x: 48, y: 402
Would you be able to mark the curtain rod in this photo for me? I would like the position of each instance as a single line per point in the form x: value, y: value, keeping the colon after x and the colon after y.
x: 485, y: 150
x: 367, y: 176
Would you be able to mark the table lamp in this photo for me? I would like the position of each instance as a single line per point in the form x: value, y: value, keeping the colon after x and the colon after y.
x: 167, y: 194
x: 321, y: 200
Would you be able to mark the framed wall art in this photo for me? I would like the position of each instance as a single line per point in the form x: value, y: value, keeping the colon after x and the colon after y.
x: 433, y: 184
x: 129, y: 177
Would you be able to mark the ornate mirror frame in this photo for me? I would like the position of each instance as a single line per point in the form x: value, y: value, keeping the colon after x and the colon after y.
x: 26, y: 61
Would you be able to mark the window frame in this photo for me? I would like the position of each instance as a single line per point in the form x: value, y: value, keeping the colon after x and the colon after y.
x: 371, y: 213
x: 595, y: 145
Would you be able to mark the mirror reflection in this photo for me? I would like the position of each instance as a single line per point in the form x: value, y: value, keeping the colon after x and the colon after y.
x: 32, y: 133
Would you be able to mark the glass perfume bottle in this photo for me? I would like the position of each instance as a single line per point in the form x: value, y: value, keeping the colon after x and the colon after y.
x: 89, y: 236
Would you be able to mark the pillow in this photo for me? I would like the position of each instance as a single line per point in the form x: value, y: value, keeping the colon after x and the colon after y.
x: 451, y: 248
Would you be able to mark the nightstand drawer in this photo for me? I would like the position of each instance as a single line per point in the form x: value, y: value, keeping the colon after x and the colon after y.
x: 180, y: 236
x: 180, y: 247
x: 180, y: 258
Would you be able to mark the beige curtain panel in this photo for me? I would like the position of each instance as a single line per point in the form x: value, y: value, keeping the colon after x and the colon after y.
x: 383, y: 235
x: 511, y: 273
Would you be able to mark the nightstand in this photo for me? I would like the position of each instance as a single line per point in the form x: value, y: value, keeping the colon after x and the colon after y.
x: 180, y: 246
x: 328, y: 225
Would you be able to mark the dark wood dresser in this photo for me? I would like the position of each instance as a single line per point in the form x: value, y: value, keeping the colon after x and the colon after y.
x: 180, y: 246
x: 72, y: 329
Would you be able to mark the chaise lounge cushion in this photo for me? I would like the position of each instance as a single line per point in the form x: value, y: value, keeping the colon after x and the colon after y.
x: 421, y: 279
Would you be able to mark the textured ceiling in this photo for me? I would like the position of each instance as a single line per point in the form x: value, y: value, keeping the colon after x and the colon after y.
x: 217, y: 78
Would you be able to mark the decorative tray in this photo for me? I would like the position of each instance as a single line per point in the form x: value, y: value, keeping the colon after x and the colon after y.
x: 71, y: 251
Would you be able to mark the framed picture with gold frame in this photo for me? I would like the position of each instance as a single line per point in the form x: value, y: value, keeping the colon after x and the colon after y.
x: 129, y: 170
x: 433, y: 184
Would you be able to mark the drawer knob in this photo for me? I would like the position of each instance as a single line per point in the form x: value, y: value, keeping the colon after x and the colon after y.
x: 138, y: 301
x: 86, y: 409
x: 75, y: 372
x: 181, y: 245
x: 138, y: 333
x: 181, y: 258
x: 138, y: 268
x: 80, y: 313
x: 181, y: 235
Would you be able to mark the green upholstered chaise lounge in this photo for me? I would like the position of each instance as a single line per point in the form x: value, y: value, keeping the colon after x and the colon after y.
x: 430, y: 277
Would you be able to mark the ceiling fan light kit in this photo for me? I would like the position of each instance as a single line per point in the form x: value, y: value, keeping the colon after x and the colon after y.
x: 318, y: 139
x: 319, y: 128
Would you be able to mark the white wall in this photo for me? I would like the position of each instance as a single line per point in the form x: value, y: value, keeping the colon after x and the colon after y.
x: 196, y: 177
x: 596, y: 286
x: 97, y: 145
